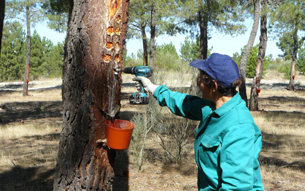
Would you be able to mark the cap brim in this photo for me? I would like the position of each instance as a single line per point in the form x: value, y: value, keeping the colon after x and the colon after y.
x: 202, y: 65
x: 198, y: 64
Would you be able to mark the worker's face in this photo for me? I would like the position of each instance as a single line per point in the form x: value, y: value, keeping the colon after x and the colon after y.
x: 207, y: 89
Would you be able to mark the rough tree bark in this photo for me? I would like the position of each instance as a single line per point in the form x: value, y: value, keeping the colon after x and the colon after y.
x: 203, y: 47
x: 152, y: 36
x: 294, y: 60
x: 144, y: 41
x: 203, y: 25
x: 255, y: 89
x: 28, y: 53
x: 2, y: 13
x: 91, y: 93
x: 246, y: 51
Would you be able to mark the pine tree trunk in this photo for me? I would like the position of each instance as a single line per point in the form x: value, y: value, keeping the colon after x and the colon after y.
x: 246, y: 51
x: 203, y: 47
x: 255, y: 89
x: 294, y: 61
x: 152, y: 37
x: 91, y: 93
x: 2, y: 8
x: 28, y: 54
x: 203, y: 25
x: 144, y: 41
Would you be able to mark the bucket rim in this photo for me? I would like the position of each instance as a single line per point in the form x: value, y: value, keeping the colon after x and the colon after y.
x: 119, y: 129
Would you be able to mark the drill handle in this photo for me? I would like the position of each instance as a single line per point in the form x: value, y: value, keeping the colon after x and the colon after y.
x: 140, y: 87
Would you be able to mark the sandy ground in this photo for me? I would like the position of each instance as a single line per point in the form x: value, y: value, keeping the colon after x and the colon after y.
x: 37, y: 154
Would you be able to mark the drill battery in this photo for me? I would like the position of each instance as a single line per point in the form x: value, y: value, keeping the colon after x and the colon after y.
x: 138, y: 98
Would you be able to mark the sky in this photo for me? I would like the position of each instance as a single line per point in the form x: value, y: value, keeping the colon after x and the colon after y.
x: 224, y: 44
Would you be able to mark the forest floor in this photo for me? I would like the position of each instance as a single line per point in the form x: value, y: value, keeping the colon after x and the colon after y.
x: 29, y: 136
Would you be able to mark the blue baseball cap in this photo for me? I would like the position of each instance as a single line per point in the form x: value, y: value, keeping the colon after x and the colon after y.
x: 222, y: 68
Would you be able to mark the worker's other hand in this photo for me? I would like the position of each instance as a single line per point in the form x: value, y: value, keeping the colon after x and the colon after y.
x: 147, y: 85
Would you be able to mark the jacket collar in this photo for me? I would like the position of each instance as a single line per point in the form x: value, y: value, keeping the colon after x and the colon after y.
x: 226, y: 107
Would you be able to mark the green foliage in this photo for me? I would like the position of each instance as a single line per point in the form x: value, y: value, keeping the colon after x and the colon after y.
x: 133, y: 60
x: 285, y: 67
x: 53, y: 61
x: 46, y: 58
x: 16, y: 9
x: 57, y: 11
x: 12, y: 60
x: 301, y: 60
x: 275, y: 64
x: 288, y: 17
x: 267, y: 62
x: 189, y: 50
x: 282, y: 66
x: 236, y: 57
x: 288, y: 20
x: 252, y: 61
x: 167, y: 48
x: 225, y: 16
x: 286, y: 44
x: 140, y: 17
x: 167, y: 56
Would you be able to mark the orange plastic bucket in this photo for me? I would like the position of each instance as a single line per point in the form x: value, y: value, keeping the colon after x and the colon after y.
x: 118, y: 133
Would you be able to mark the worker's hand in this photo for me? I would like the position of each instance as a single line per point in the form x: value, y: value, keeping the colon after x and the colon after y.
x: 147, y: 85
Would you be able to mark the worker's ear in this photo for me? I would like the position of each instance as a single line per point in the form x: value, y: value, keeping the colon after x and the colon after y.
x: 214, y: 86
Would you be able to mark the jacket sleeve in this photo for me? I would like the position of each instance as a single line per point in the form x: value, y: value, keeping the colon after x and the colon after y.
x: 237, y: 158
x: 181, y: 104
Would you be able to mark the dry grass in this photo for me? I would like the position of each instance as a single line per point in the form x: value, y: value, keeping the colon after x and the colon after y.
x: 283, y: 153
x: 20, y: 141
x: 29, y: 139
x: 28, y: 151
x: 48, y: 95
x: 16, y: 131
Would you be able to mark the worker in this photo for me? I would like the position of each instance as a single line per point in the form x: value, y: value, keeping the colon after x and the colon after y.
x: 228, y: 142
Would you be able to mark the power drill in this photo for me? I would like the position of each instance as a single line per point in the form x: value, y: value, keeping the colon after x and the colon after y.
x: 141, y: 96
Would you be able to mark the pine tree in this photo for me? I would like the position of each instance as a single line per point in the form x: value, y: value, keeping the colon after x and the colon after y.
x: 91, y: 93
x: 301, y: 60
x: 288, y: 19
x: 155, y: 17
x: 53, y: 61
x: 13, y: 52
x: 200, y: 17
x: 57, y: 13
x: 37, y: 51
x: 30, y: 12
x: 46, y: 59
x: 247, y: 49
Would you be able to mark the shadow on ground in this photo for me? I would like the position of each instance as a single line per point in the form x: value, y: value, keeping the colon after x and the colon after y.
x: 277, y: 151
x: 16, y: 111
x: 279, y: 163
x: 35, y: 152
x: 121, y: 163
x: 26, y: 179
x: 280, y: 85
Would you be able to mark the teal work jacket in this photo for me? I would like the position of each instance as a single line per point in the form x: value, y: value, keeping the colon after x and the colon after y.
x: 227, y: 143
